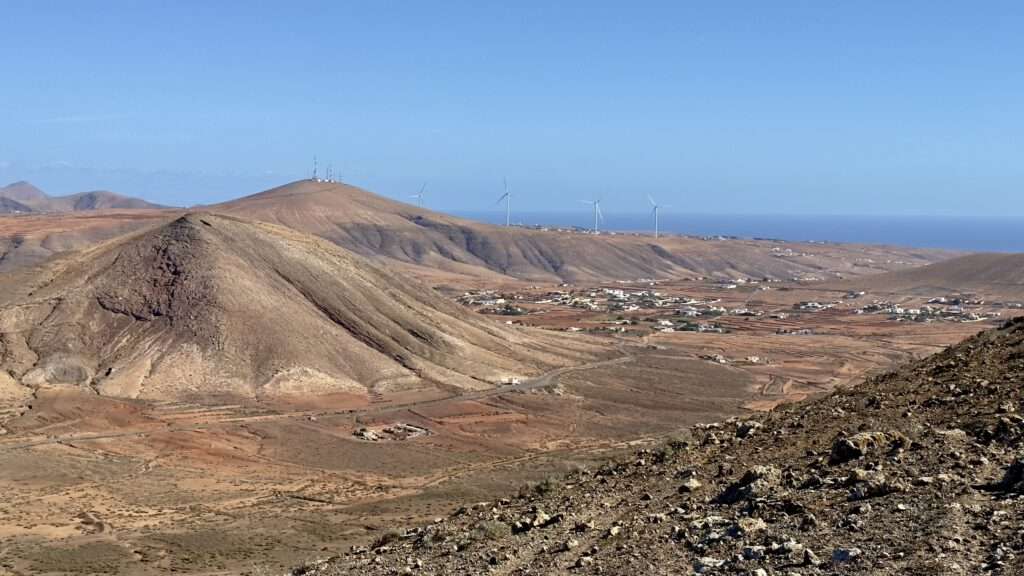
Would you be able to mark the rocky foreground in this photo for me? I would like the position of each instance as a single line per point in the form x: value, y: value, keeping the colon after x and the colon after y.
x: 920, y: 471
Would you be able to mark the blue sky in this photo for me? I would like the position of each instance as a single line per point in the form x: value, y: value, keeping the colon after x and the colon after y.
x: 721, y: 107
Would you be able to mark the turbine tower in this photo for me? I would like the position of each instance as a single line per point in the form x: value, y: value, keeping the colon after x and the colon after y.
x: 598, y: 216
x: 329, y: 166
x: 507, y: 197
x: 419, y: 196
x: 314, y: 167
x: 655, y: 209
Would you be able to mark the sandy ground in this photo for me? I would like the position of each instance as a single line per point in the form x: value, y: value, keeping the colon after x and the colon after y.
x: 222, y: 486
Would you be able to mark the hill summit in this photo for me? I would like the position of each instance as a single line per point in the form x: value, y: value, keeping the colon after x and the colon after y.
x: 21, y: 197
x: 210, y: 304
x: 435, y: 246
x: 373, y: 225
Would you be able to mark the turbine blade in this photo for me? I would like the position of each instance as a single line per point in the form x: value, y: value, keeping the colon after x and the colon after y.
x: 503, y: 196
x: 651, y: 200
x: 600, y: 216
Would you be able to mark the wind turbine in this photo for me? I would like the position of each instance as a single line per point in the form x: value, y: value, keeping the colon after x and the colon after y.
x: 507, y: 197
x: 597, y: 212
x: 655, y: 209
x: 419, y: 196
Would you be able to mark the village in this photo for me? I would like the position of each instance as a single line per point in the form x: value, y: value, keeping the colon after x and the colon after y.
x: 941, y: 308
x: 647, y: 306
x: 611, y: 301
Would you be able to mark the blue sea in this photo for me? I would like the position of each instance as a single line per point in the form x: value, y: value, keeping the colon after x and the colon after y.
x: 973, y: 234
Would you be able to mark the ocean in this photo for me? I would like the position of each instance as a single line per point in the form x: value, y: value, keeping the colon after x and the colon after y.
x: 973, y: 234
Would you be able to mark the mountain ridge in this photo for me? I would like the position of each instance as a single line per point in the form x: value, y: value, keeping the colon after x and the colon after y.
x: 213, y: 304
x: 998, y: 275
x: 370, y: 224
x: 11, y: 206
x: 435, y: 246
x: 36, y: 200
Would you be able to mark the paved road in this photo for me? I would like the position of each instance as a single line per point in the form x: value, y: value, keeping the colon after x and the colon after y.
x: 542, y: 381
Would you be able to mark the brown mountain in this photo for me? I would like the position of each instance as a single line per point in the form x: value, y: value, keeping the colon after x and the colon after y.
x: 919, y: 471
x: 101, y: 200
x: 38, y: 201
x: 28, y: 239
x: 427, y: 243
x: 993, y: 275
x: 373, y: 225
x: 209, y: 304
x: 23, y: 192
x: 10, y: 206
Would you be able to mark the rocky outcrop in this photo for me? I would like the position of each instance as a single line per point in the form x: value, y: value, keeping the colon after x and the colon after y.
x: 905, y: 474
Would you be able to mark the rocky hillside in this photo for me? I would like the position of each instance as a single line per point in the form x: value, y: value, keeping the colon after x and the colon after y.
x: 375, y: 226
x: 215, y: 305
x: 11, y: 206
x: 920, y: 471
x: 992, y: 275
x: 431, y: 244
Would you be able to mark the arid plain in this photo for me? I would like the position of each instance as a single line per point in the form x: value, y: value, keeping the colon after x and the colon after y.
x: 538, y: 351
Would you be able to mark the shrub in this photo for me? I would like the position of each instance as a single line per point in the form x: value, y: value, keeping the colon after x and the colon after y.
x: 386, y: 538
x: 545, y: 486
x: 490, y: 530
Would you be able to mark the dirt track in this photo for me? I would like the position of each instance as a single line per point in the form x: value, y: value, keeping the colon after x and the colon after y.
x: 922, y: 474
x: 171, y: 480
x: 543, y: 381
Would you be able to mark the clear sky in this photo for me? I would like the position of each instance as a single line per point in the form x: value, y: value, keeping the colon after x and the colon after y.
x: 759, y: 107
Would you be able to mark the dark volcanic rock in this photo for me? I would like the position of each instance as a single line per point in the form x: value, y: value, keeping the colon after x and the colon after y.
x: 758, y: 482
x: 858, y: 445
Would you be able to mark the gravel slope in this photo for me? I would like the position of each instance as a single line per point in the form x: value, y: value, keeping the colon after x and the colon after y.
x: 919, y: 471
x: 210, y: 304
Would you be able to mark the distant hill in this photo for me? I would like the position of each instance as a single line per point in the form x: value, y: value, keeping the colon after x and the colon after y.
x: 36, y: 200
x: 11, y: 206
x: 996, y: 275
x: 208, y: 304
x: 434, y: 246
x: 374, y: 225
x: 24, y: 193
x: 103, y: 200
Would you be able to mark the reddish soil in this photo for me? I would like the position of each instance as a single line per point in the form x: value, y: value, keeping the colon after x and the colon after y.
x: 148, y: 487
